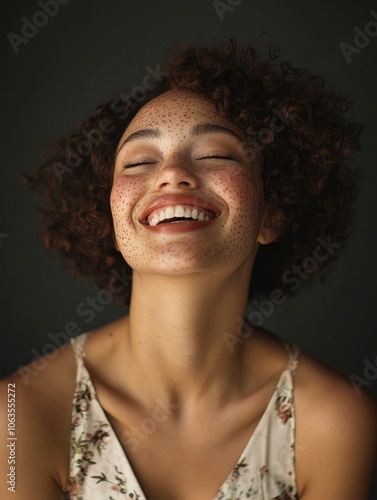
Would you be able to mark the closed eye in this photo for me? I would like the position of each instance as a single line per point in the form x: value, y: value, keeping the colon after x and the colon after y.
x: 137, y: 163
x: 220, y: 157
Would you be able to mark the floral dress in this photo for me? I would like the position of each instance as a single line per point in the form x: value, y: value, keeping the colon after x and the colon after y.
x: 100, y: 470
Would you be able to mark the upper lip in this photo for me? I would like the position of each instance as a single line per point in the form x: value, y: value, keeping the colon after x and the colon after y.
x: 177, y: 199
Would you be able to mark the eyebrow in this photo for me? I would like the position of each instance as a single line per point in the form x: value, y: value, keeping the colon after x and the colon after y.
x: 211, y: 128
x: 197, y: 130
x: 146, y: 133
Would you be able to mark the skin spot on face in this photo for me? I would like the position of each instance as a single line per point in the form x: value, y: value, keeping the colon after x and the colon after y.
x: 177, y: 163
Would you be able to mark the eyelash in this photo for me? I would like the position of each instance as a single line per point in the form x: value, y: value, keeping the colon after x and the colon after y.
x: 130, y: 165
x: 223, y: 157
x: 136, y: 164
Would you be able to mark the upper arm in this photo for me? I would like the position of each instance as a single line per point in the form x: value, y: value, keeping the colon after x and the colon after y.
x: 337, y: 443
x: 41, y: 408
x: 22, y: 463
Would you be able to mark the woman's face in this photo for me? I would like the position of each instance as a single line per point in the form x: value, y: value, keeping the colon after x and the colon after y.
x: 185, y: 195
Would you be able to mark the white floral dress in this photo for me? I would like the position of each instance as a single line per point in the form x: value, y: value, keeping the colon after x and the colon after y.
x: 100, y: 470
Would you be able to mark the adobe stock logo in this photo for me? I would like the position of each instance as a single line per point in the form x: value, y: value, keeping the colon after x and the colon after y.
x: 122, y: 107
x: 370, y: 375
x: 30, y: 28
x: 133, y: 437
x: 87, y: 309
x: 293, y: 276
x: 222, y: 7
x: 361, y: 39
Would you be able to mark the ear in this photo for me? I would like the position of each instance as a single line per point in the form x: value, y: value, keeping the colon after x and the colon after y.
x: 271, y: 226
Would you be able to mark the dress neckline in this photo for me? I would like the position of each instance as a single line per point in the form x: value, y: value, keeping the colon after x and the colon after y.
x: 285, y: 378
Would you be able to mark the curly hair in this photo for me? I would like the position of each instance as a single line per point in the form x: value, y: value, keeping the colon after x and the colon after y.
x: 288, y: 114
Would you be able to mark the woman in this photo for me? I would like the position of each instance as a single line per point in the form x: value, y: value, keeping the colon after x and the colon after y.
x: 219, y: 180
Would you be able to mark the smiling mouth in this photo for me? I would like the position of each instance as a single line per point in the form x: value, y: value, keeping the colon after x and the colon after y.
x: 178, y: 214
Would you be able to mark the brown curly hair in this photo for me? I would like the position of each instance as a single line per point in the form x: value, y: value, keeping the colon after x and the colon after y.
x: 298, y: 125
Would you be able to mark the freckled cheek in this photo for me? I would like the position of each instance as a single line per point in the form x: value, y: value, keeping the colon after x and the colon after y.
x: 124, y: 195
x: 243, y: 192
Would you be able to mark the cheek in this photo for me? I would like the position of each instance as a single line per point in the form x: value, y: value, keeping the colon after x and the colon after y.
x: 123, y: 196
x: 243, y: 191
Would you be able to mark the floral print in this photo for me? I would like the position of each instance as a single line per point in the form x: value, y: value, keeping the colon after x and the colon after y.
x: 283, y: 404
x: 99, y: 468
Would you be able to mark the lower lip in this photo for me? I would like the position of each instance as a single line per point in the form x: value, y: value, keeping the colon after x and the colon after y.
x: 179, y: 227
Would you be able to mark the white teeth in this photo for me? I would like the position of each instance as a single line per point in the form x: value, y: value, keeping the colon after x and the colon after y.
x: 177, y: 211
x: 180, y: 211
x: 169, y: 213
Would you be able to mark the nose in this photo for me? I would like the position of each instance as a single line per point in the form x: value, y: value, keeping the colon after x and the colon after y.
x: 177, y: 173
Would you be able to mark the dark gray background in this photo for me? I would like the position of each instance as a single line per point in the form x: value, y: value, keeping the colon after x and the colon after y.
x: 93, y: 51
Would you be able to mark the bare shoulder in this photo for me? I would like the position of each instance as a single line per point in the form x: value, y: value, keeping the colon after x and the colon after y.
x: 39, y: 401
x: 336, y: 434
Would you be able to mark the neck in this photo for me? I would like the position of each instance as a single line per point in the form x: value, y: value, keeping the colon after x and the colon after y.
x: 184, y: 336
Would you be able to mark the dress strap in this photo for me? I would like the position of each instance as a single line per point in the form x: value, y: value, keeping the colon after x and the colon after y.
x: 77, y: 344
x: 293, y: 355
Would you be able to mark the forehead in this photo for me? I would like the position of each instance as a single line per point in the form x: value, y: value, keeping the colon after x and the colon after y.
x: 175, y: 109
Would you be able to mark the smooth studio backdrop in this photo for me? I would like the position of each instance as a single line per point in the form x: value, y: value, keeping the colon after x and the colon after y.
x: 60, y: 60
